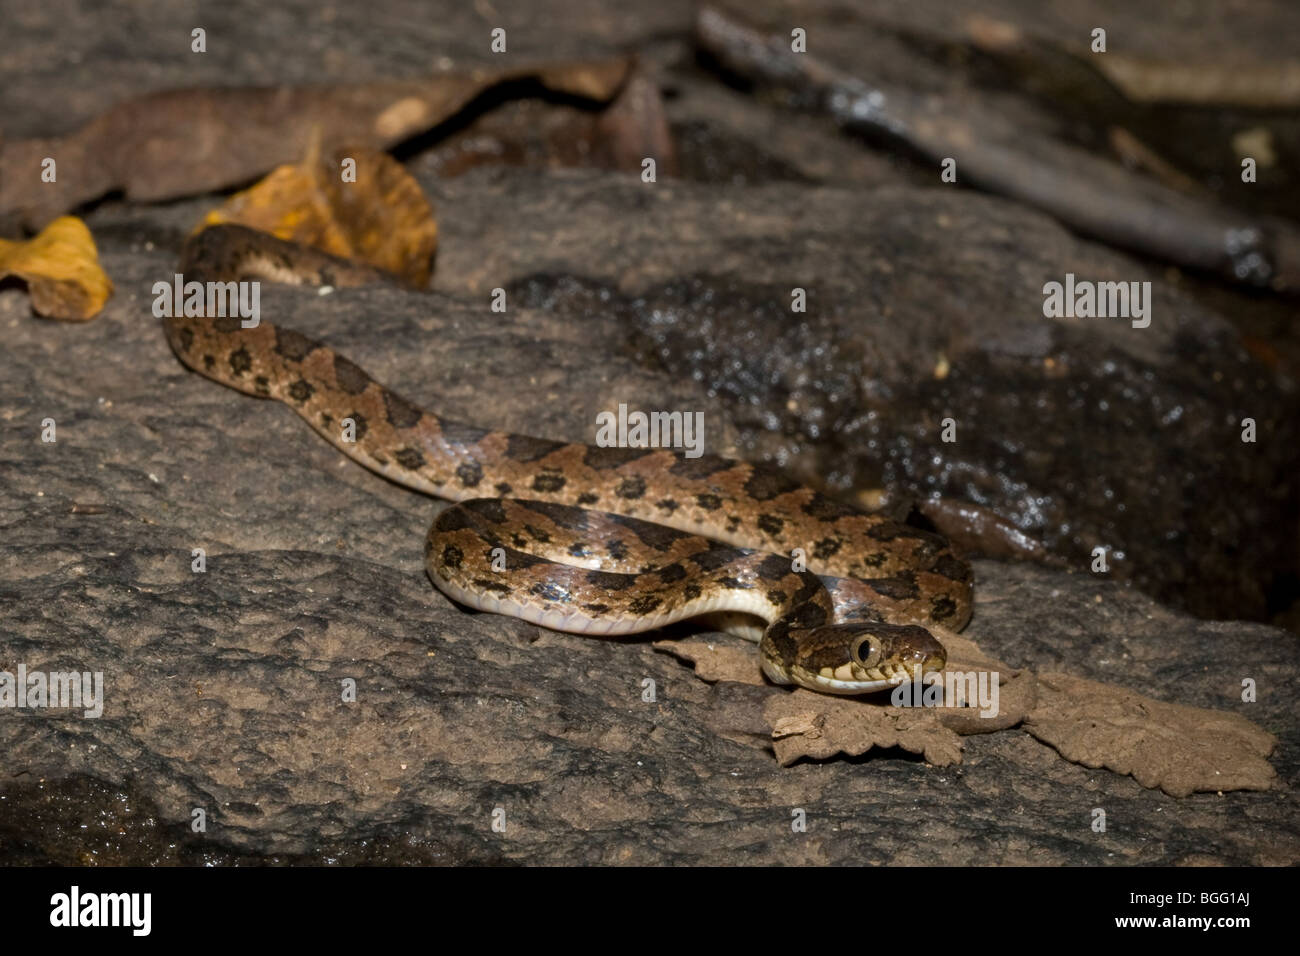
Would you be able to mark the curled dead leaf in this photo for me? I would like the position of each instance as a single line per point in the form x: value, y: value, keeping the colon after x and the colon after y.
x: 717, y: 660
x: 179, y: 142
x: 1177, y: 748
x: 61, y: 268
x: 379, y: 216
x: 1180, y: 749
x: 1015, y: 689
x: 805, y: 724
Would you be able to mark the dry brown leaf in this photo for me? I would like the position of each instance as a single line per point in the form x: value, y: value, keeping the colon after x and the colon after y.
x: 1017, y: 688
x: 806, y: 724
x: 382, y: 218
x: 1177, y: 748
x: 61, y: 268
x: 715, y: 661
x: 184, y: 142
x: 1180, y: 749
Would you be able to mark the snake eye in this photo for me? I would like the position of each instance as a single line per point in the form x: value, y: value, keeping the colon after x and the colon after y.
x: 866, y: 651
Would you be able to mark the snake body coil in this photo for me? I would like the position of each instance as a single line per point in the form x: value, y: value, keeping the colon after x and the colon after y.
x: 609, y: 541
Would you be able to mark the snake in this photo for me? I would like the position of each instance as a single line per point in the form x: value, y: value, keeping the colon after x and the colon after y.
x: 600, y: 541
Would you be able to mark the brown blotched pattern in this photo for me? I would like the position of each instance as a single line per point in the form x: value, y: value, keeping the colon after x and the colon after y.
x: 899, y: 573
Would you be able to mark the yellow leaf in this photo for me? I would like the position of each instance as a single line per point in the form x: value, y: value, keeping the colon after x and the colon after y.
x: 61, y: 268
x: 382, y: 218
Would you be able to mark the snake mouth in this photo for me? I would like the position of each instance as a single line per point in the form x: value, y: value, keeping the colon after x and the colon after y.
x: 854, y: 679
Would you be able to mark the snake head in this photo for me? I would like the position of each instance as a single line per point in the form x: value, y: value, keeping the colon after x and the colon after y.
x: 854, y: 658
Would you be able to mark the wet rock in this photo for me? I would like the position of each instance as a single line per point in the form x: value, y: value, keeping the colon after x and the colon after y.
x: 923, y: 307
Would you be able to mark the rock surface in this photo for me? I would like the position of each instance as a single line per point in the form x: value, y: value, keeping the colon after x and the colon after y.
x: 224, y: 688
